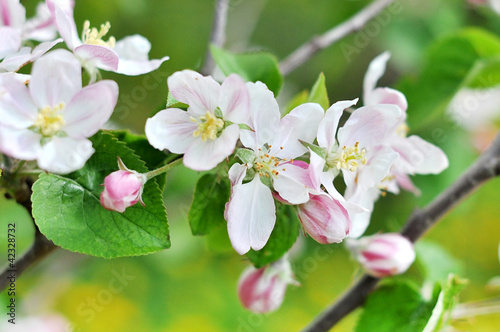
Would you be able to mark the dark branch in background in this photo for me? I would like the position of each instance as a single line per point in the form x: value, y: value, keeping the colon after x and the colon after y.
x: 485, y: 168
x: 218, y: 36
x: 41, y: 246
x: 317, y: 43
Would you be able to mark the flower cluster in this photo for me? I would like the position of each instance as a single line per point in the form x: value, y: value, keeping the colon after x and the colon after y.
x: 48, y: 115
x: 294, y: 159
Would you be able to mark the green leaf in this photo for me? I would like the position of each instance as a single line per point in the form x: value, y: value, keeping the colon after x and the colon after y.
x: 253, y: 67
x: 282, y: 238
x: 445, y: 71
x: 210, y: 197
x: 395, y: 307
x: 319, y: 94
x: 484, y: 74
x: 67, y: 208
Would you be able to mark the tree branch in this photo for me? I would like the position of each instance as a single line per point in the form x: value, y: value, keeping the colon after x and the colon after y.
x: 41, y: 246
x: 485, y: 168
x: 317, y: 43
x: 218, y: 36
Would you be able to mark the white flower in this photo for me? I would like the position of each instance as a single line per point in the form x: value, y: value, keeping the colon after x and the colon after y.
x: 207, y: 133
x: 274, y: 143
x: 50, y: 120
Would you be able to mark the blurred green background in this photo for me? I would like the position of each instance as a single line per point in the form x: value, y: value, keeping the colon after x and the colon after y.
x: 192, y: 286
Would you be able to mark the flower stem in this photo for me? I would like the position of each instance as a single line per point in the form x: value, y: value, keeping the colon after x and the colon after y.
x: 163, y: 169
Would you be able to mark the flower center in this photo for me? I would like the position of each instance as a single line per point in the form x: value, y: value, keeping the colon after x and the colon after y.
x: 266, y: 165
x: 208, y: 126
x: 49, y: 120
x: 93, y: 36
x: 347, y: 157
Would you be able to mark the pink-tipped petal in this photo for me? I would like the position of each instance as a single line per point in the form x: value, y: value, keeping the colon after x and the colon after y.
x: 251, y: 216
x: 90, y: 108
x: 62, y: 13
x: 201, y: 93
x: 96, y: 56
x: 387, y: 96
x: 234, y: 100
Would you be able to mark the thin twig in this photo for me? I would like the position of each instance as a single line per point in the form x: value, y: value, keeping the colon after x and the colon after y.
x: 40, y: 248
x: 317, y: 43
x: 218, y: 36
x: 486, y: 167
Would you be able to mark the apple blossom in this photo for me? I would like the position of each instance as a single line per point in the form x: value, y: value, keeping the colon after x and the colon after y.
x: 263, y: 290
x: 128, y: 56
x: 383, y: 255
x: 268, y: 166
x: 122, y: 188
x: 50, y: 120
x: 208, y: 131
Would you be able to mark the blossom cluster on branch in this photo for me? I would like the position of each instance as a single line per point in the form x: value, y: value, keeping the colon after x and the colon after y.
x: 270, y: 157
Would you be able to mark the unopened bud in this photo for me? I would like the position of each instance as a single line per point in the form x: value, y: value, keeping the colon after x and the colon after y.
x: 383, y: 255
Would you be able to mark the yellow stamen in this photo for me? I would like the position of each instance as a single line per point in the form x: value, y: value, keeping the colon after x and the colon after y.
x: 93, y: 36
x: 348, y: 158
x: 50, y: 120
x: 208, y: 126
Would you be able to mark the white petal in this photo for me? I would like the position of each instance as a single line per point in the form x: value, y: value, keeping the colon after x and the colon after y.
x: 301, y: 124
x: 90, y: 108
x: 20, y: 143
x: 375, y: 71
x: 201, y: 93
x: 16, y: 61
x: 264, y: 119
x: 171, y: 129
x: 11, y: 41
x: 134, y: 67
x: 290, y: 183
x: 55, y: 78
x: 203, y: 156
x: 62, y: 13
x: 419, y: 156
x: 234, y: 100
x: 13, y: 14
x: 377, y: 168
x: 251, y: 216
x: 135, y: 47
x: 236, y: 174
x: 361, y: 219
x: 369, y: 125
x: 64, y: 154
x: 328, y: 126
x: 316, y: 166
x: 17, y: 109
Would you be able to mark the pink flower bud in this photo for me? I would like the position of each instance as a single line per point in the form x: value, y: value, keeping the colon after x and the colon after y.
x: 263, y: 290
x: 122, y: 189
x: 383, y: 255
x: 325, y: 219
